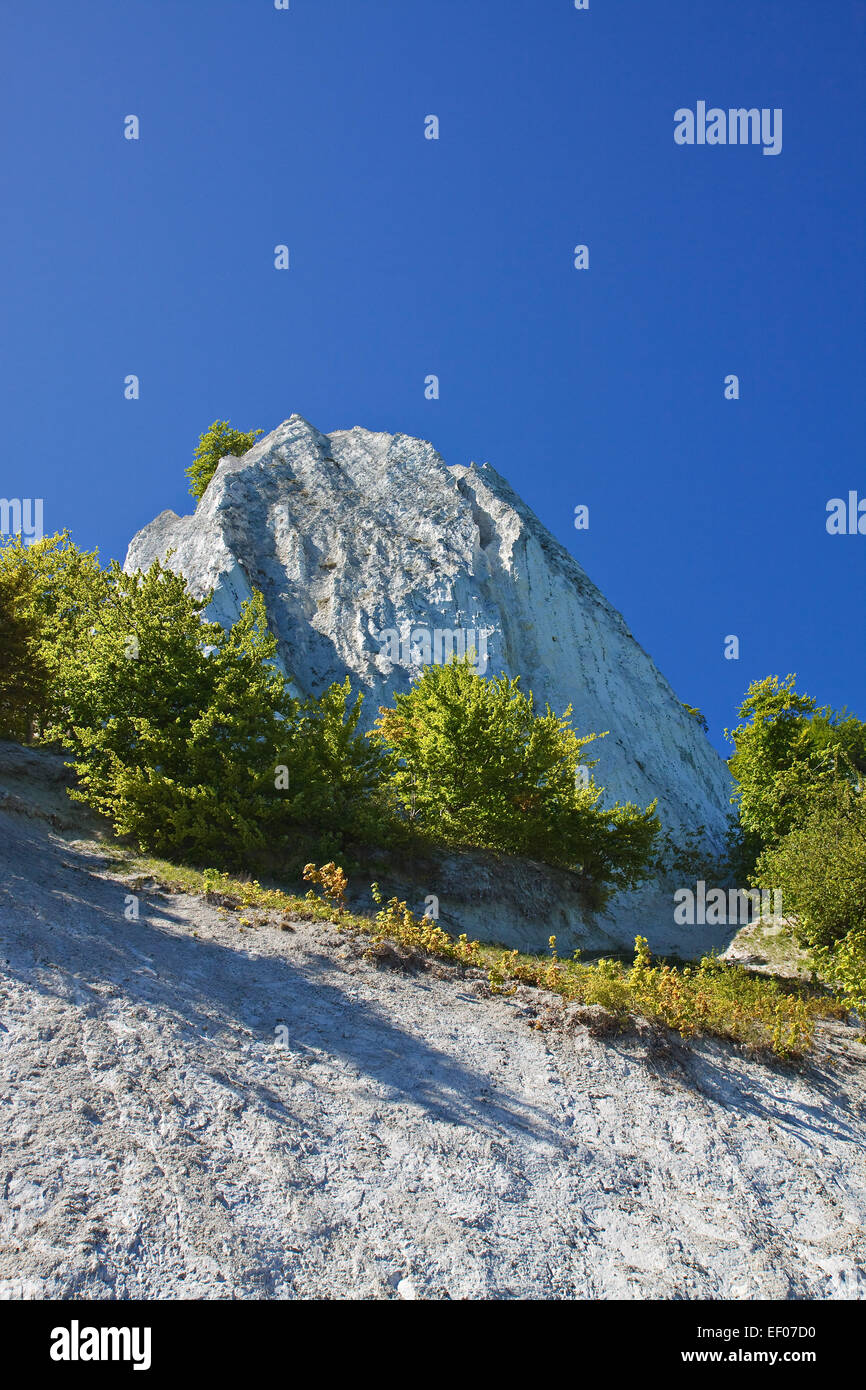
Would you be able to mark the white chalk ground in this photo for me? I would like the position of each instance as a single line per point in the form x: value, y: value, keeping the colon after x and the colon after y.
x: 413, y: 1139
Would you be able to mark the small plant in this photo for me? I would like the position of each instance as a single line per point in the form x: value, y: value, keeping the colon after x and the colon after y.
x: 697, y: 715
x: 397, y: 922
x: 331, y: 880
x: 501, y: 971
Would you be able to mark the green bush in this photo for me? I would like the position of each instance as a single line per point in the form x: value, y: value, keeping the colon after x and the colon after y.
x: 473, y: 764
x: 186, y: 738
x: 845, y: 966
x: 51, y: 595
x: 820, y: 867
x: 23, y: 676
x: 218, y: 442
x: 163, y: 745
x: 787, y: 752
x: 337, y: 776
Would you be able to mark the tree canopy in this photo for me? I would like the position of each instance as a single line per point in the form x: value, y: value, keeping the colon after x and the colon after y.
x: 473, y: 763
x: 786, y: 751
x: 219, y: 441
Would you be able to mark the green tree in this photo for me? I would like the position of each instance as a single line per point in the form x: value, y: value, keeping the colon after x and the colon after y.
x: 472, y: 763
x: 135, y: 689
x: 185, y: 736
x: 23, y: 677
x: 820, y: 867
x: 787, y: 753
x: 218, y: 442
x: 178, y: 726
x: 52, y: 595
x: 338, y: 775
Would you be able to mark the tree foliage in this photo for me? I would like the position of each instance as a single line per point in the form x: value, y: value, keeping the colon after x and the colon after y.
x: 186, y: 737
x: 820, y: 867
x: 787, y: 753
x: 472, y: 763
x: 23, y: 677
x: 801, y: 773
x: 219, y: 441
x: 338, y: 775
x: 51, y: 593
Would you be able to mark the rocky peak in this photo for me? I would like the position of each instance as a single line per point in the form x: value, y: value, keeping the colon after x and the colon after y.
x: 374, y: 555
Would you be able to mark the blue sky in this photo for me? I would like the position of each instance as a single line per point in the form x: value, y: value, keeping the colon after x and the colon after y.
x: 454, y: 257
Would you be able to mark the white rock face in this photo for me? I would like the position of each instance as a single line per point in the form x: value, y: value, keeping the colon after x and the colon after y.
x: 405, y: 1136
x: 359, y: 541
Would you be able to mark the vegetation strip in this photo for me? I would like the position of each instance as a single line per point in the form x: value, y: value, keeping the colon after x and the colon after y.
x: 711, y: 998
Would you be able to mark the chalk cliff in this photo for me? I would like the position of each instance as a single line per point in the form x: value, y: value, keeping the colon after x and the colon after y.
x: 372, y: 553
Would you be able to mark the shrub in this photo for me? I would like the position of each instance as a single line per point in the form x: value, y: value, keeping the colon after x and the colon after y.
x: 820, y: 867
x: 472, y: 763
x: 332, y: 881
x: 181, y: 731
x: 218, y: 442
x: 787, y: 752
x: 336, y: 773
x: 845, y: 965
x: 51, y: 595
x: 176, y: 723
x: 23, y: 674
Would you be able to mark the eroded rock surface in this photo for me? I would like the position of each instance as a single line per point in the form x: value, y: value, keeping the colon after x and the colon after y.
x: 359, y: 540
x: 159, y: 1142
x: 353, y: 534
